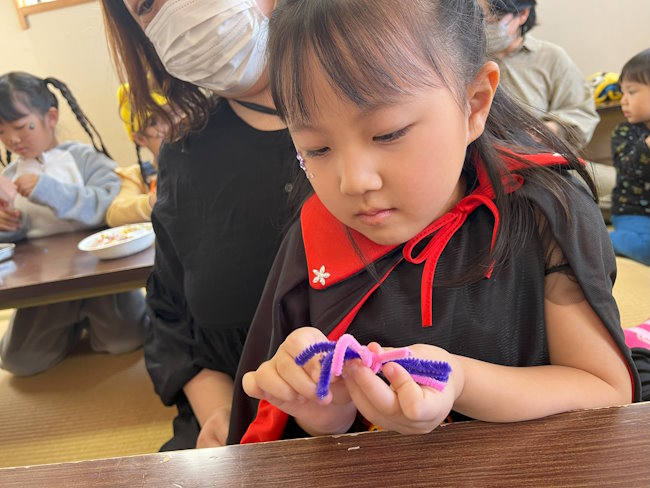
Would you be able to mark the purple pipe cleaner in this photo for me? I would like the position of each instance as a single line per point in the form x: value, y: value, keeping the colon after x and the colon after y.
x: 423, y: 371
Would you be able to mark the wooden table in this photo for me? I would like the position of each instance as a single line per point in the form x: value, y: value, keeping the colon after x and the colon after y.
x: 52, y: 269
x: 601, y: 448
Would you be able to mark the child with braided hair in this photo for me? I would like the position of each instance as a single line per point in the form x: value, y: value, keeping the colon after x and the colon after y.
x: 61, y: 187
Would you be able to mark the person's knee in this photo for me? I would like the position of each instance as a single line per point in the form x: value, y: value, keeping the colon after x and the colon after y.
x: 128, y: 337
x: 24, y: 364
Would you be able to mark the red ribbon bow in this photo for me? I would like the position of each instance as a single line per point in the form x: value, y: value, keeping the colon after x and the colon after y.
x: 444, y: 228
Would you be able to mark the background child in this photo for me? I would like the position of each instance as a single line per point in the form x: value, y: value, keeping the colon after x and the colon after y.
x: 422, y: 168
x: 138, y: 194
x: 631, y: 156
x: 62, y: 187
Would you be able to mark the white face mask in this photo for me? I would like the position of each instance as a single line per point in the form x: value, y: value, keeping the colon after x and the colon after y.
x: 498, y: 39
x: 215, y: 44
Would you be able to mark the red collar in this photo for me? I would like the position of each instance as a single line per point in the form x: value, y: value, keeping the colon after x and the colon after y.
x: 331, y: 257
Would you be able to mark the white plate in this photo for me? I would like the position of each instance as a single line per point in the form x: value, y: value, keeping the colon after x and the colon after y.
x: 6, y: 250
x: 119, y: 241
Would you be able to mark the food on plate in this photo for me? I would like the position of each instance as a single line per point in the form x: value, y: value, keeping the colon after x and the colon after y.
x: 120, y: 234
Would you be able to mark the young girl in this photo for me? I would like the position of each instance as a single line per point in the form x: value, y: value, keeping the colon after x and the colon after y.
x: 631, y: 156
x: 138, y: 194
x: 444, y: 219
x: 62, y: 187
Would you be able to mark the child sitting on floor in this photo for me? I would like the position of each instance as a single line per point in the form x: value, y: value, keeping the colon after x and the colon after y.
x: 631, y: 156
x: 61, y: 187
x: 138, y: 194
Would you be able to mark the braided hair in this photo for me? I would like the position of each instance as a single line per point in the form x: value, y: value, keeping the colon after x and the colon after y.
x: 35, y: 94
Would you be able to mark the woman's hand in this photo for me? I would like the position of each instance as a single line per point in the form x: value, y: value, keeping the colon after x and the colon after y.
x: 25, y: 184
x: 292, y: 388
x: 215, y: 429
x: 9, y: 219
x: 403, y: 405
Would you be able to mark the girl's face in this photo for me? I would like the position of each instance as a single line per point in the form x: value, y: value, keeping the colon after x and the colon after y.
x: 31, y: 135
x: 636, y: 102
x: 390, y: 170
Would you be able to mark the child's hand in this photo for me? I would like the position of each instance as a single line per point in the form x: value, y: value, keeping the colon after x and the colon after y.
x: 152, y: 198
x: 7, y: 193
x: 292, y: 388
x: 25, y: 184
x: 403, y: 406
x: 9, y: 219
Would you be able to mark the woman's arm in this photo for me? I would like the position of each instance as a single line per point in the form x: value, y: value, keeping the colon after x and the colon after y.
x: 210, y: 395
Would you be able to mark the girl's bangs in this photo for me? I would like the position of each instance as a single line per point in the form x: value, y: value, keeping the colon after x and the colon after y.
x: 361, y: 54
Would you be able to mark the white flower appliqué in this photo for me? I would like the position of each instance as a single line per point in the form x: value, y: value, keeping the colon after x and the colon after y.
x: 321, y: 275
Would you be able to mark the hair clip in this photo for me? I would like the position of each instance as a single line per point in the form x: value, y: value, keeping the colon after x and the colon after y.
x: 32, y: 126
x: 303, y: 166
x: 423, y: 371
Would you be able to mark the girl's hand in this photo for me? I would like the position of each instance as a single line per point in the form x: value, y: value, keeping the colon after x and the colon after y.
x: 403, y: 405
x: 25, y: 184
x: 292, y: 388
x: 7, y: 193
x: 152, y: 198
x: 215, y: 430
x: 9, y: 219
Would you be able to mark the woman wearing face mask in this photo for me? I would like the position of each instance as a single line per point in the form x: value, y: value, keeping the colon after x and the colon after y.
x: 540, y: 73
x: 223, y: 185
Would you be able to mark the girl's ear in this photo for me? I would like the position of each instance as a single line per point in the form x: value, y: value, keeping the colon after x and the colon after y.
x: 480, y: 95
x: 52, y: 117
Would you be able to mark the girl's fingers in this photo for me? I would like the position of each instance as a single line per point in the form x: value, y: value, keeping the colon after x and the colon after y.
x: 302, y: 379
x: 368, y: 390
x: 250, y: 386
x: 410, y: 395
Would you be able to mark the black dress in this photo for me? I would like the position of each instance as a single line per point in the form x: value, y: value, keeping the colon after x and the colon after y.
x: 499, y: 320
x: 219, y: 219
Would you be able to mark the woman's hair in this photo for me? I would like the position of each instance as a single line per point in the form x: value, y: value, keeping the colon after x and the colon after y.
x: 375, y: 50
x: 637, y: 69
x: 505, y: 7
x: 138, y: 63
x: 34, y: 94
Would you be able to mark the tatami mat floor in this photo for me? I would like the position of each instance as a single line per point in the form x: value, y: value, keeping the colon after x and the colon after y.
x: 96, y: 405
x: 89, y: 406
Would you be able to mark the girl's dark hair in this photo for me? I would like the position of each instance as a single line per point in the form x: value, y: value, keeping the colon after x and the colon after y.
x: 138, y: 63
x: 637, y: 69
x: 35, y: 95
x: 375, y: 50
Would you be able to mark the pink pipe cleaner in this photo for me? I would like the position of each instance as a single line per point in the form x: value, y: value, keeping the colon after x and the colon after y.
x: 425, y: 372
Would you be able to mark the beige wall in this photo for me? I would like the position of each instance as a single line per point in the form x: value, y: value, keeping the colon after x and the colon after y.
x: 69, y: 44
x: 600, y: 35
